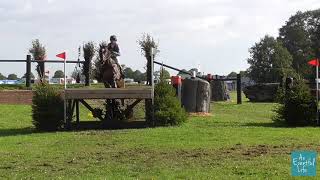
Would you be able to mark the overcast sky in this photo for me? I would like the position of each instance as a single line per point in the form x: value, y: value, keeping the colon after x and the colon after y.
x: 213, y: 33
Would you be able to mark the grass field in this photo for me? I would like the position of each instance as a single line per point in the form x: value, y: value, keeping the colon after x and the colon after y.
x: 236, y: 141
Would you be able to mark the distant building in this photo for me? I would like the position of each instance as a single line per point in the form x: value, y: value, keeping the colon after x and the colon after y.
x: 61, y: 81
x: 129, y: 81
x: 11, y: 81
x: 231, y: 85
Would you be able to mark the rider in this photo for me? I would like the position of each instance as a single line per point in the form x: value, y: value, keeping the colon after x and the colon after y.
x: 115, y: 50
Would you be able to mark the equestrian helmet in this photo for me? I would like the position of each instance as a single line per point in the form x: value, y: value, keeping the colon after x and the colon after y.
x: 113, y: 38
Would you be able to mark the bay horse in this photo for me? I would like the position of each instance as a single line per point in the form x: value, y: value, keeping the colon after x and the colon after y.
x: 111, y: 77
x: 111, y: 74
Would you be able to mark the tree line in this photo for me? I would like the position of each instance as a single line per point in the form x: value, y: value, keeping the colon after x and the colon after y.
x: 274, y: 58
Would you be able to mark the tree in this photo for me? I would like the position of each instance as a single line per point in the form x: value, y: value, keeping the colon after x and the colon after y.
x: 31, y: 75
x: 38, y: 52
x: 297, y: 106
x: 164, y: 74
x: 167, y: 107
x: 180, y: 73
x: 75, y: 74
x: 244, y: 73
x: 146, y: 44
x: 2, y: 77
x: 300, y: 35
x: 97, y: 63
x: 149, y: 49
x: 58, y: 74
x: 143, y: 77
x: 128, y: 73
x: 47, y: 108
x: 12, y: 77
x: 269, y: 61
x: 138, y: 76
x: 88, y: 54
x: 232, y: 75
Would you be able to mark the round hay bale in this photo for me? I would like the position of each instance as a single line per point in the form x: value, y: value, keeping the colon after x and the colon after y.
x: 219, y: 91
x: 203, y: 96
x: 189, y: 94
x: 196, y: 95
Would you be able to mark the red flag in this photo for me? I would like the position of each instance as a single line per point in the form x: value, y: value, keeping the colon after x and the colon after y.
x: 314, y: 62
x: 62, y: 55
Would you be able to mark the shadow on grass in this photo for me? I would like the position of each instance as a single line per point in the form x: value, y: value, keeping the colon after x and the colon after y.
x: 275, y: 124
x: 17, y: 132
x: 99, y: 125
x: 85, y: 125
x: 261, y: 102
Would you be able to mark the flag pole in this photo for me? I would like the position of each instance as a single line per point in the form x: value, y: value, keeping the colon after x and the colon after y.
x: 317, y: 85
x: 65, y: 87
x: 63, y: 56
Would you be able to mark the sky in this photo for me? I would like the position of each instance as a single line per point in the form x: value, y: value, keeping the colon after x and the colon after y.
x: 214, y: 35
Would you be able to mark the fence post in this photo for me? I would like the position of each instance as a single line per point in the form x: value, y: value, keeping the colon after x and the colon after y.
x: 149, y: 103
x: 28, y: 71
x: 239, y: 99
x: 87, y: 73
x: 152, y: 86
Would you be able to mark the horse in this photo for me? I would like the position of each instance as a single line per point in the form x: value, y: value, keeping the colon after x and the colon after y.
x: 111, y: 74
x: 111, y: 77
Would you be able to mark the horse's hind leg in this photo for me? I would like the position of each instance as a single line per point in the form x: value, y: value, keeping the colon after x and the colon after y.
x: 113, y: 84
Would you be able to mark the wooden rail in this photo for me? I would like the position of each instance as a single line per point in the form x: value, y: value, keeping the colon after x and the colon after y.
x: 28, y: 62
x: 109, y: 93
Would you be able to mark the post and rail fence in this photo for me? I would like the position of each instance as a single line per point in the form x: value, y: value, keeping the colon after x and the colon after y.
x: 28, y: 61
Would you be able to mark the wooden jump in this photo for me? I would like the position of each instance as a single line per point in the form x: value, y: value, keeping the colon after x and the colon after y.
x: 76, y: 96
x: 109, y: 93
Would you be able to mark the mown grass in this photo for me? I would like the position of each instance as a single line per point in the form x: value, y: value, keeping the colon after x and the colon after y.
x: 237, y: 141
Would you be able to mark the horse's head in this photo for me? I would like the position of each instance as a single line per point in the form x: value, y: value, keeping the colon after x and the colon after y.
x: 105, y: 56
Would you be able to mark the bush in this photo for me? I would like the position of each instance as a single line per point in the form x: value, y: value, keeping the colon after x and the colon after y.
x: 47, y: 108
x: 168, y: 110
x: 298, y: 106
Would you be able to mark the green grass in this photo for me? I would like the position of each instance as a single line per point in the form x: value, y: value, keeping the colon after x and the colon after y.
x: 236, y: 141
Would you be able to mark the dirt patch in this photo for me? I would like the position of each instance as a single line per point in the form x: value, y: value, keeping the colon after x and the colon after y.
x: 261, y: 150
x: 200, y: 114
x: 193, y: 155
